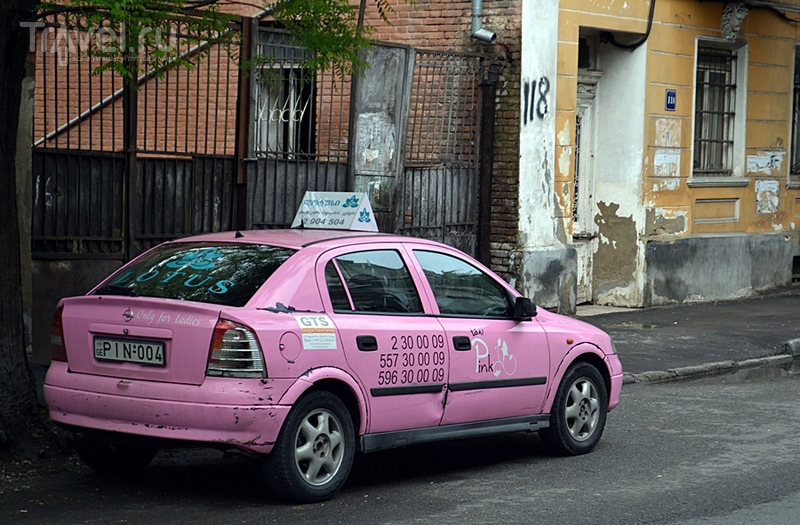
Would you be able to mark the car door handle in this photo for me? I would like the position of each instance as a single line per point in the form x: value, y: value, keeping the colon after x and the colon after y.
x: 461, y: 343
x: 367, y: 343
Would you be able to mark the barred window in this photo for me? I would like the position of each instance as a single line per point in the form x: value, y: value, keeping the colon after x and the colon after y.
x: 715, y: 109
x: 794, y: 172
x: 284, y: 99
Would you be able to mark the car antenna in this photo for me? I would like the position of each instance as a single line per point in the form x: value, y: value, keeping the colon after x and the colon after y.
x: 238, y: 234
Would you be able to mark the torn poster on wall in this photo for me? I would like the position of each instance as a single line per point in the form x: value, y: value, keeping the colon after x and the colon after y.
x: 767, y: 196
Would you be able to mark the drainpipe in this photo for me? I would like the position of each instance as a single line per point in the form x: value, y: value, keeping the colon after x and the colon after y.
x: 477, y: 24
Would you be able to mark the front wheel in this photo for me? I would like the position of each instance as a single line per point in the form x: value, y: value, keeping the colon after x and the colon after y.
x: 578, y: 416
x: 314, y: 452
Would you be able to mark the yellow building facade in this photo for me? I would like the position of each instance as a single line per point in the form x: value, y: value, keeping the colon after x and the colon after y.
x: 658, y: 140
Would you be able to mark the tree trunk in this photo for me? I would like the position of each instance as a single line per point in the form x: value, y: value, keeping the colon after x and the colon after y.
x: 17, y: 387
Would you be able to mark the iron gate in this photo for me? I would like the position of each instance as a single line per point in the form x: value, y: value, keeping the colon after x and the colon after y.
x: 438, y: 194
x: 300, y: 135
x: 109, y: 182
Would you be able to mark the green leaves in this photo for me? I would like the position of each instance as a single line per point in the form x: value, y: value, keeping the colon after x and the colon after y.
x: 327, y: 27
x: 132, y: 37
x: 135, y: 37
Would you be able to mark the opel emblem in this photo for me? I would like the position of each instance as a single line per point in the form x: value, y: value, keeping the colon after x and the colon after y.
x: 127, y: 315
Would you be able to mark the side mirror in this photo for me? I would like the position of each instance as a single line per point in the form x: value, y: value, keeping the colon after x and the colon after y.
x: 524, y: 308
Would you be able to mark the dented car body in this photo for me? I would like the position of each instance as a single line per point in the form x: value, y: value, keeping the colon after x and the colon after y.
x: 307, y: 346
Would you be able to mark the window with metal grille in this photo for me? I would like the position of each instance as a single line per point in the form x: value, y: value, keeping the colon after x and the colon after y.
x: 794, y: 171
x: 715, y: 105
x: 284, y: 99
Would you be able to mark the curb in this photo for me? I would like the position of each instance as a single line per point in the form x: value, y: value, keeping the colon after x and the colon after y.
x: 789, y: 361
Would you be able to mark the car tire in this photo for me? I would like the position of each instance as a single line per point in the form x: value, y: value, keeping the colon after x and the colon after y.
x: 111, y: 458
x: 578, y: 415
x: 314, y: 451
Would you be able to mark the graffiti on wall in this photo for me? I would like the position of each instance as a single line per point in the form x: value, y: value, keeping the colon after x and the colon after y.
x: 535, y: 102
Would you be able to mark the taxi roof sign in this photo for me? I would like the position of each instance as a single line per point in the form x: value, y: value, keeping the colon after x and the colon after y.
x: 335, y: 210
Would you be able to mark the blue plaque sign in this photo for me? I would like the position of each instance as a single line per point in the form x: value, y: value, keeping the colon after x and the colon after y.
x: 671, y: 100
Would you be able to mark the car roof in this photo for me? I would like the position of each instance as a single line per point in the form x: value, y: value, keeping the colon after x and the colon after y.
x: 295, y: 238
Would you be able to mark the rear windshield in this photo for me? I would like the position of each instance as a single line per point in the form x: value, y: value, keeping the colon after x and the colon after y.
x: 225, y: 274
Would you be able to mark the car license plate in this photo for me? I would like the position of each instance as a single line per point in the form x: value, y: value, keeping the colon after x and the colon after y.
x: 144, y: 352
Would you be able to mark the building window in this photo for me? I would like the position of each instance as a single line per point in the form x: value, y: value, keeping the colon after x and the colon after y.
x: 715, y: 114
x: 283, y: 98
x: 794, y: 170
x: 284, y: 112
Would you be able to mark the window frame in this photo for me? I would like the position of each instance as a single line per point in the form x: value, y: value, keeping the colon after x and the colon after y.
x: 794, y: 124
x: 734, y: 173
x: 282, y: 88
x: 281, y: 84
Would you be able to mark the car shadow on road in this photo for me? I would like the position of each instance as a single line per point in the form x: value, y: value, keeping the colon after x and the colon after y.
x: 448, y: 459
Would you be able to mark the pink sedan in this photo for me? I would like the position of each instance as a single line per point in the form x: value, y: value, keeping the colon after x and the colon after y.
x: 304, y: 347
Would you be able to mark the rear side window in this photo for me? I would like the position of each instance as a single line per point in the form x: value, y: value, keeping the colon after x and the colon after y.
x: 224, y: 274
x: 374, y: 281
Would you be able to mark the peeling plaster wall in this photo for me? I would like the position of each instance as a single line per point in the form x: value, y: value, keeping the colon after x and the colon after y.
x: 616, y: 261
x: 548, y: 267
x: 619, y: 152
x: 537, y: 109
x: 719, y: 267
x: 665, y: 221
x: 551, y: 273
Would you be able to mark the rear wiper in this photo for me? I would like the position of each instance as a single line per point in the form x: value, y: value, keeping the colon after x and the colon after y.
x: 114, y: 289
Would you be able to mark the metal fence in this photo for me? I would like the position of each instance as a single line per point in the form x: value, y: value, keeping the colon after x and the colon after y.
x: 439, y: 190
x: 96, y: 196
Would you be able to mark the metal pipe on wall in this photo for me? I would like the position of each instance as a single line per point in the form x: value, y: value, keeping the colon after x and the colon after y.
x: 477, y: 30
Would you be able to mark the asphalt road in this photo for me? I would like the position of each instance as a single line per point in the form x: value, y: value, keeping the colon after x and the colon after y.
x: 672, y: 454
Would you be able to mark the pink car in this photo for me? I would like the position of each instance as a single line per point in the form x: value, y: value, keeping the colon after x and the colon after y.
x: 306, y: 346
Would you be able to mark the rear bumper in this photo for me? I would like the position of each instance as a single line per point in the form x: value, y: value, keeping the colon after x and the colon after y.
x: 165, y: 411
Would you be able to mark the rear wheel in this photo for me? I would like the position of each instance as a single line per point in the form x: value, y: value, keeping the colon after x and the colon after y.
x: 111, y: 458
x: 578, y: 416
x: 314, y: 452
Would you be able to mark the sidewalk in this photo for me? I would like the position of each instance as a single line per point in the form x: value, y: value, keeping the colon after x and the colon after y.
x: 676, y: 342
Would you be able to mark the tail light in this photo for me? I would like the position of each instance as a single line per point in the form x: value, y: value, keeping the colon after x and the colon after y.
x: 58, y: 351
x: 235, y: 352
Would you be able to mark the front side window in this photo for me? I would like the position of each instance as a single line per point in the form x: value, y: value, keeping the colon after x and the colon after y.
x: 715, y: 111
x: 375, y: 281
x: 225, y: 274
x: 462, y: 289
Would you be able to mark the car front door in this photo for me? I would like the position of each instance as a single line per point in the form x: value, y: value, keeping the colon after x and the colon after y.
x: 498, y: 364
x: 398, y: 354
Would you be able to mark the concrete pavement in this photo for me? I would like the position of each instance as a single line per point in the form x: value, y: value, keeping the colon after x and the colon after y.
x: 694, y: 340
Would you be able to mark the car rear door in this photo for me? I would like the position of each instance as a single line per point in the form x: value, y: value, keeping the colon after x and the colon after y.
x: 498, y: 364
x: 397, y: 353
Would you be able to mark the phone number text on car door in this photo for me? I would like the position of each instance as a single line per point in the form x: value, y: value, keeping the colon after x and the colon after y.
x: 416, y: 359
